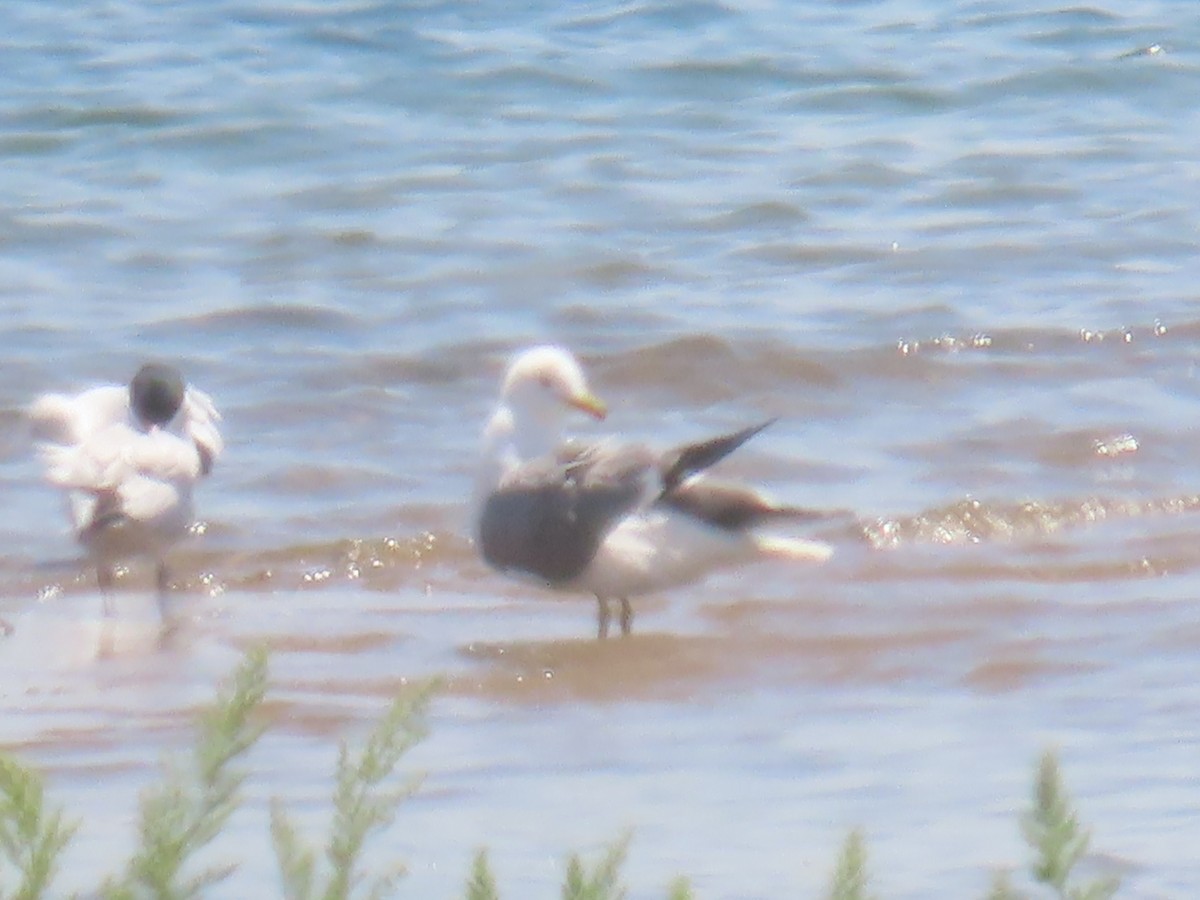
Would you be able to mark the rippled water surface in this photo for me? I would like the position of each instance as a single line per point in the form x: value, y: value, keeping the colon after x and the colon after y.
x: 951, y: 245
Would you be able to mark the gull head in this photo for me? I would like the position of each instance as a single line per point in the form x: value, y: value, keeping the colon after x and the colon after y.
x: 156, y: 393
x: 543, y: 383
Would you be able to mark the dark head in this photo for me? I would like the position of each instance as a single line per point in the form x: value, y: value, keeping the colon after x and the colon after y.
x: 156, y: 393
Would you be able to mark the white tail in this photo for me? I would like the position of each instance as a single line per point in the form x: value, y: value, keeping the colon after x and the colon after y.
x: 794, y: 549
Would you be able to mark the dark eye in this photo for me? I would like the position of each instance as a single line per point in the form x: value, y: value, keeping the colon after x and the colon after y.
x: 544, y: 381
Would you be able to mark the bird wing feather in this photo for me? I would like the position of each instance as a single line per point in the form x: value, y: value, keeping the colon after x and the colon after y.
x: 66, y: 419
x: 548, y: 517
x: 200, y: 418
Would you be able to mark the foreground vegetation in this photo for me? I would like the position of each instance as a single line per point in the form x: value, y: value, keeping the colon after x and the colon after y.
x: 187, y: 809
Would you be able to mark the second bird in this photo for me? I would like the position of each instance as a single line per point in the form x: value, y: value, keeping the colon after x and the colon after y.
x: 128, y: 459
x: 611, y: 519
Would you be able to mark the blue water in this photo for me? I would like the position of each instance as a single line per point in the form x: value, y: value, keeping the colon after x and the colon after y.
x: 952, y: 245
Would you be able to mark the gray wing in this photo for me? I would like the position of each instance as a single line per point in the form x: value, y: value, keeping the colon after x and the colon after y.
x: 731, y: 507
x: 688, y: 459
x: 548, y: 517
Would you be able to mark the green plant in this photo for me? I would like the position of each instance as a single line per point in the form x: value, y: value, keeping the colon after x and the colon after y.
x: 31, y: 836
x: 603, y: 881
x: 1002, y: 888
x: 850, y: 874
x: 1052, y: 829
x: 481, y: 885
x: 188, y: 809
x: 361, y: 807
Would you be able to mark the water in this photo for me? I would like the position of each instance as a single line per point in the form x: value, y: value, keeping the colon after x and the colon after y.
x: 952, y: 246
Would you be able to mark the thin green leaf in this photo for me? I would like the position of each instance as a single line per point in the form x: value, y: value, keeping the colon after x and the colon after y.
x: 183, y: 813
x: 482, y: 883
x: 31, y: 837
x: 603, y: 882
x: 680, y: 889
x: 1059, y: 842
x: 361, y: 805
x: 850, y: 874
x: 297, y: 862
x: 573, y: 885
x: 1100, y: 889
x: 1002, y: 888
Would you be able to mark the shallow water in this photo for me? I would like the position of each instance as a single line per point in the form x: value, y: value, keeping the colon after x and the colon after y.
x: 951, y: 246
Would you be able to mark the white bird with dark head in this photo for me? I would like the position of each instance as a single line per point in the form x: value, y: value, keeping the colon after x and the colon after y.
x: 614, y: 520
x: 128, y: 458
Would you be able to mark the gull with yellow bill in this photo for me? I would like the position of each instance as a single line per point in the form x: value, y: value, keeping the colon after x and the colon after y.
x: 615, y: 520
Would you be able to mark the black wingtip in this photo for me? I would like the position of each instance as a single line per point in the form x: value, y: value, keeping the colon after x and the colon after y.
x: 692, y: 458
x: 747, y: 433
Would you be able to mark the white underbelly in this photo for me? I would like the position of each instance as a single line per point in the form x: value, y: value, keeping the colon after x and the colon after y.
x: 146, y: 530
x: 660, y: 549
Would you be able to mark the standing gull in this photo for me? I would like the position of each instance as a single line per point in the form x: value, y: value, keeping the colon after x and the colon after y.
x: 610, y: 519
x: 128, y: 459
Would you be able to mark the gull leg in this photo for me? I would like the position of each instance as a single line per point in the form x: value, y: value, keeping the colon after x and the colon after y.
x: 602, y: 616
x: 104, y: 580
x: 169, y: 624
x: 626, y: 616
x: 163, y: 582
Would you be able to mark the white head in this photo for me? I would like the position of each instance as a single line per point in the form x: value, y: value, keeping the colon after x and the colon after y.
x: 543, y: 384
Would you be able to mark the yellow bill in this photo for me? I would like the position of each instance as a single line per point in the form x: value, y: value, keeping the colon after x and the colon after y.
x: 590, y: 404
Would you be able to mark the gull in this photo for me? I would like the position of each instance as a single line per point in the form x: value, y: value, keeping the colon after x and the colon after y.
x: 128, y: 459
x: 615, y: 520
